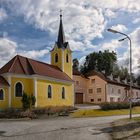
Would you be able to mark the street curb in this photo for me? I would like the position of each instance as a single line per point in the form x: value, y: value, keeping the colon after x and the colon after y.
x: 18, y: 119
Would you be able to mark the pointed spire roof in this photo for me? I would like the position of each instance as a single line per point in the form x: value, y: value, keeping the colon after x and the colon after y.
x: 61, y: 35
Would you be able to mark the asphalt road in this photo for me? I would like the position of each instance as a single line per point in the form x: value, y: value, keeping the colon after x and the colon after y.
x: 58, y: 129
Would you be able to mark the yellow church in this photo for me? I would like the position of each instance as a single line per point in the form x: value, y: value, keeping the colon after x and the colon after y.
x: 51, y: 84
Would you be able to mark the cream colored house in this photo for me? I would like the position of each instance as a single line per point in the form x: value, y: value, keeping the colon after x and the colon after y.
x: 95, y: 87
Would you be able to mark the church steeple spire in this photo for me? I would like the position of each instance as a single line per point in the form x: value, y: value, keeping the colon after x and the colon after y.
x: 61, y: 54
x: 61, y: 35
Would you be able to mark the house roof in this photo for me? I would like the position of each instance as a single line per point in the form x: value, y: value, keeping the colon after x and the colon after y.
x: 93, y: 72
x: 27, y: 66
x: 104, y: 77
x: 78, y: 73
x: 3, y: 82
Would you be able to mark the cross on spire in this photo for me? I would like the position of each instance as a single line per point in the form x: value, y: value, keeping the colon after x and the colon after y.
x: 61, y: 13
x: 61, y: 35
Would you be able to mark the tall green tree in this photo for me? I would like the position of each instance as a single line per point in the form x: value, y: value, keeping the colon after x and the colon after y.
x: 75, y: 64
x: 101, y: 61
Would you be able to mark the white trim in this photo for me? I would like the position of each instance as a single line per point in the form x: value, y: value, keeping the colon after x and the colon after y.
x: 35, y: 90
x: 39, y: 77
x: 9, y: 91
x: 15, y: 87
x: 3, y: 95
x: 73, y: 94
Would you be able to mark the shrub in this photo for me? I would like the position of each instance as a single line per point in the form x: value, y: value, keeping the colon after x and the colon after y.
x: 114, y: 105
x: 27, y: 114
x: 28, y: 101
x: 53, y: 110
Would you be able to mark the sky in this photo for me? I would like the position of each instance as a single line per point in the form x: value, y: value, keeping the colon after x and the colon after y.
x: 30, y: 28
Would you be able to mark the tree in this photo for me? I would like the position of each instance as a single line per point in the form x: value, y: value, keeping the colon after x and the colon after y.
x: 138, y: 80
x: 101, y: 61
x: 28, y: 101
x: 75, y: 64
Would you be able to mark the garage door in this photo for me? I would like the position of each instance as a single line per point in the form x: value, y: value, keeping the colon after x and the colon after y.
x: 78, y: 98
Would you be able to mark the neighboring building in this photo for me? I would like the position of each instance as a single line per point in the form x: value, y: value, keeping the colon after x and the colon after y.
x: 51, y: 84
x: 97, y: 88
x: 80, y: 87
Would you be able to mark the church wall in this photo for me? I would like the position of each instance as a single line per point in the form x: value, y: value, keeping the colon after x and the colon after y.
x: 4, y: 103
x: 27, y: 88
x: 56, y: 100
x: 68, y: 65
x: 59, y: 52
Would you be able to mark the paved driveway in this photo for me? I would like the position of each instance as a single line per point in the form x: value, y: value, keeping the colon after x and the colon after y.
x: 58, y: 129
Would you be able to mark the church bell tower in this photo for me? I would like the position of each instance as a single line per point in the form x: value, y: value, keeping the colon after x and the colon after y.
x: 61, y: 54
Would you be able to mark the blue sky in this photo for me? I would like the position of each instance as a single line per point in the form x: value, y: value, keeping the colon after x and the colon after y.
x: 30, y: 28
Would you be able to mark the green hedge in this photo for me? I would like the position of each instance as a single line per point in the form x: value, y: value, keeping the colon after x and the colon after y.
x: 117, y: 105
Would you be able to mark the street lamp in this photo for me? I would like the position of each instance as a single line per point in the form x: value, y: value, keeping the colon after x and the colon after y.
x: 126, y: 37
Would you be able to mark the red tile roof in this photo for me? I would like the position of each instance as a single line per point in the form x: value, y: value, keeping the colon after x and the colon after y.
x: 27, y: 66
x: 3, y: 82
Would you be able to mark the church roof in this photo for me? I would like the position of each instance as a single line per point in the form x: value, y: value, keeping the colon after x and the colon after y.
x: 61, y: 42
x: 27, y: 66
x: 3, y: 82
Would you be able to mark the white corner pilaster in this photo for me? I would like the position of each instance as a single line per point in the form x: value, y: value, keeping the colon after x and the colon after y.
x: 35, y: 90
x: 9, y: 92
x: 73, y: 94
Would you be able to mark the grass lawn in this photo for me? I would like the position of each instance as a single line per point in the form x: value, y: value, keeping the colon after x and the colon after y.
x: 99, y: 112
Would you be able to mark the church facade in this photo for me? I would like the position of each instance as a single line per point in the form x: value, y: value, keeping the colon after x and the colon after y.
x: 51, y: 84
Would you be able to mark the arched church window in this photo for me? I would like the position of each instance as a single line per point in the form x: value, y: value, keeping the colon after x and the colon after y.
x: 1, y: 94
x: 67, y: 58
x: 56, y: 58
x: 63, y: 93
x: 49, y: 91
x: 18, y: 90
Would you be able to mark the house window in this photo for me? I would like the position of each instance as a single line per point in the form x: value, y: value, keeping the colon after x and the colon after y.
x: 119, y: 91
x: 18, y: 90
x: 67, y: 58
x: 63, y: 93
x: 99, y: 100
x: 92, y: 81
x: 49, y: 91
x: 119, y: 99
x: 111, y: 99
x: 92, y: 100
x: 90, y: 90
x: 77, y: 82
x: 99, y: 90
x: 112, y: 90
x: 56, y: 58
x: 1, y: 94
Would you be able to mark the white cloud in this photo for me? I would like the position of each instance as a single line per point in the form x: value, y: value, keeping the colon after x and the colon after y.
x: 9, y: 49
x: 129, y: 5
x: 82, y: 24
x: 119, y: 27
x: 112, y: 45
x: 3, y: 14
x: 137, y: 20
x: 34, y: 53
x: 135, y: 37
x: 82, y: 60
x: 109, y: 13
